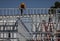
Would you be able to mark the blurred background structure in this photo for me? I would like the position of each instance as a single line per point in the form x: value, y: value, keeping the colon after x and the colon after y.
x: 36, y: 24
x: 30, y: 24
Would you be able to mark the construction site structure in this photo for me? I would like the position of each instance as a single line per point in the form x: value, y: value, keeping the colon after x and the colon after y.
x: 36, y: 24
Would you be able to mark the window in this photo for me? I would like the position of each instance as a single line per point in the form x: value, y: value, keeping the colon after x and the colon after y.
x: 5, y: 28
x: 8, y: 28
x: 1, y: 35
x: 11, y: 28
x: 9, y: 35
x: 1, y: 28
x: 14, y: 35
x: 15, y: 28
x: 5, y: 35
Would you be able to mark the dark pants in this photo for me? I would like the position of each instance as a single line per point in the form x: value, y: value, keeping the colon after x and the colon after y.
x: 21, y: 11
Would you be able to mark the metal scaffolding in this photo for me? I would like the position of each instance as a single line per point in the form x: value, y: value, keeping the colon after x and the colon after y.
x: 36, y: 24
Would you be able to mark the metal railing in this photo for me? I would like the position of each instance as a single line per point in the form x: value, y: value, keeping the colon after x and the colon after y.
x: 16, y: 11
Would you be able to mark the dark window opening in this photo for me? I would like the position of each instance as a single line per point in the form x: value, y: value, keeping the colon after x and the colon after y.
x: 9, y: 35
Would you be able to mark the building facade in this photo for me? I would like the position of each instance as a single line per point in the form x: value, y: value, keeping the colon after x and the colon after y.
x: 36, y: 24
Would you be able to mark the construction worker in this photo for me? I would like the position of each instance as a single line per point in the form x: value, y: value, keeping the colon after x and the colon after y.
x: 22, y: 7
